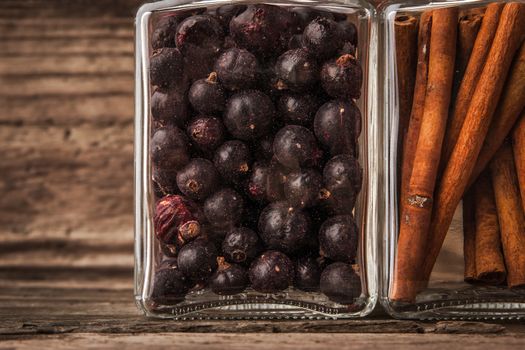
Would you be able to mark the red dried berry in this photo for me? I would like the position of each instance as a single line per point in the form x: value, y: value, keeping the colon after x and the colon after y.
x: 176, y: 220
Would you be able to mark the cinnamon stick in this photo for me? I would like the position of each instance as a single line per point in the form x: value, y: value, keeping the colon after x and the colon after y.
x: 469, y: 237
x: 490, y: 266
x: 468, y: 28
x: 472, y: 73
x: 509, y: 108
x: 518, y: 139
x: 405, y: 28
x: 417, y: 210
x: 510, y: 213
x: 484, y: 101
x: 418, y: 102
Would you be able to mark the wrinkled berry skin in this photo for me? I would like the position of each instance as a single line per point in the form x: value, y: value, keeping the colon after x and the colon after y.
x: 298, y: 109
x: 271, y: 272
x: 283, y: 227
x: 206, y: 133
x: 166, y: 66
x: 169, y: 148
x: 343, y: 177
x: 197, y: 260
x: 249, y: 115
x: 229, y: 279
x: 169, y: 286
x: 200, y: 32
x: 198, y: 179
x: 241, y: 245
x: 342, y: 77
x: 237, y: 69
x: 337, y: 125
x: 177, y: 220
x: 233, y: 160
x: 169, y: 106
x: 207, y: 96
x: 296, y: 70
x: 295, y: 146
x: 302, y: 187
x: 323, y: 37
x: 224, y: 208
x: 265, y: 183
x: 164, y: 32
x: 340, y: 283
x: 262, y: 29
x: 307, y: 274
x: 226, y: 12
x: 304, y: 15
x: 338, y: 238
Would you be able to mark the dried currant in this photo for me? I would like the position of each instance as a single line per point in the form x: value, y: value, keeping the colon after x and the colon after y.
x: 241, y: 245
x: 198, y: 179
x: 271, y: 272
x: 340, y: 283
x: 338, y: 238
x: 177, y: 220
x: 342, y: 77
x: 296, y: 70
x: 229, y: 279
x: 197, y: 260
x: 233, y: 160
x: 224, y: 208
x: 170, y: 106
x: 302, y: 187
x: 206, y: 133
x: 169, y: 286
x: 307, y: 274
x: 237, y: 69
x: 169, y: 148
x: 295, y: 146
x: 166, y: 66
x: 207, y: 95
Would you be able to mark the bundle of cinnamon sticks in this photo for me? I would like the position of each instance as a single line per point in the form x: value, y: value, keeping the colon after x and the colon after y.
x: 461, y: 81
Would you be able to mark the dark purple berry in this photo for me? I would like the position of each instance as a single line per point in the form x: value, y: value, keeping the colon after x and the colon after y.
x: 302, y: 187
x: 165, y: 181
x: 229, y: 279
x: 166, y: 66
x: 323, y: 37
x: 337, y: 125
x: 296, y: 70
x: 198, y: 259
x: 224, y: 208
x: 342, y: 177
x: 295, y: 146
x: 304, y: 15
x: 340, y: 283
x: 202, y: 33
x: 198, y: 179
x: 206, y: 133
x: 265, y: 183
x: 241, y: 245
x: 338, y: 238
x: 226, y: 12
x: 207, y: 96
x: 349, y: 32
x: 342, y: 77
x: 233, y: 160
x: 169, y: 106
x: 169, y: 148
x: 249, y: 115
x: 237, y: 69
x: 177, y: 220
x: 169, y: 286
x: 265, y: 147
x: 164, y: 32
x: 307, y: 274
x: 283, y: 227
x: 262, y: 29
x: 298, y: 109
x: 271, y: 272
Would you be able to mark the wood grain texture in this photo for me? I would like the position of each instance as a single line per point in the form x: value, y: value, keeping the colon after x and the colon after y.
x: 66, y: 132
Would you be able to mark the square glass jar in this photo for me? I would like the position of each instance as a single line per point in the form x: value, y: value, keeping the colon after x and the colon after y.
x: 455, y: 178
x: 227, y: 210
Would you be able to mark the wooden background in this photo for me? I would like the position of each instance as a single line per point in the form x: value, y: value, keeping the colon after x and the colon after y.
x: 66, y: 206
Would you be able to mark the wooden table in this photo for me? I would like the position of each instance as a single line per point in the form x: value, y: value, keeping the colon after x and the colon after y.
x: 66, y: 127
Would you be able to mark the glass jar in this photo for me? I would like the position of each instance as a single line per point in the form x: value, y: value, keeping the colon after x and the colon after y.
x: 454, y: 95
x: 252, y: 147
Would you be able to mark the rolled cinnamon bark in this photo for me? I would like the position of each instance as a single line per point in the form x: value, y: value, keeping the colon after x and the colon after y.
x: 480, y: 112
x: 490, y: 266
x: 468, y: 28
x: 518, y: 139
x: 510, y: 214
x: 405, y: 27
x: 511, y: 104
x: 417, y: 209
x: 418, y: 103
x: 470, y: 78
x: 469, y: 237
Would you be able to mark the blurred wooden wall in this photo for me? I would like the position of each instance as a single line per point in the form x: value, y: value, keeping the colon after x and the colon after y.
x: 66, y: 133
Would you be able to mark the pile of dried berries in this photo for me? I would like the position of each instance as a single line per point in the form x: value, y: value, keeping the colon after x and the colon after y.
x: 254, y: 151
